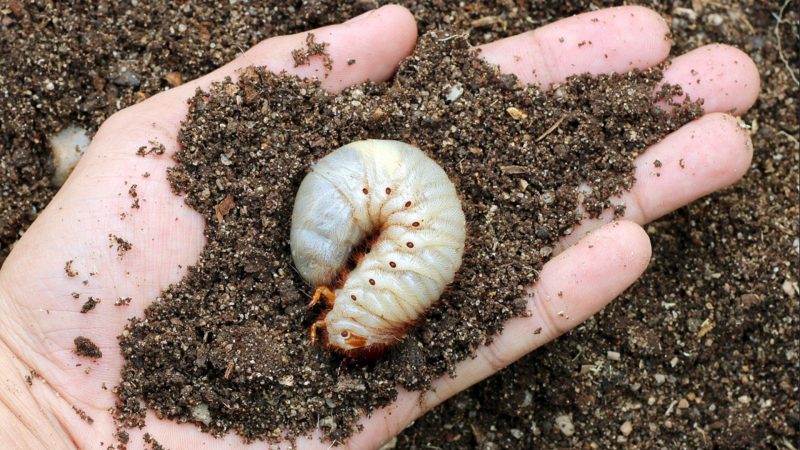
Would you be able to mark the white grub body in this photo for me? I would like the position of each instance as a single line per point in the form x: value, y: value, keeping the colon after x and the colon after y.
x: 393, y: 192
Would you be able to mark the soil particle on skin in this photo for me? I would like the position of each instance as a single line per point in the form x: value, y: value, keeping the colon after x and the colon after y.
x: 156, y: 148
x: 235, y: 329
x: 85, y: 347
x: 69, y: 270
x: 123, y: 246
x: 152, y: 442
x: 89, y: 305
x: 82, y: 414
x: 132, y: 192
x: 302, y: 56
x: 123, y: 301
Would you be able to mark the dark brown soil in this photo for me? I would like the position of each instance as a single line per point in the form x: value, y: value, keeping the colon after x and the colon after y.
x: 736, y: 251
x: 85, y: 347
x: 237, y: 326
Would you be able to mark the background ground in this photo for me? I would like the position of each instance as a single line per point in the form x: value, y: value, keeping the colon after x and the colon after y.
x: 704, y: 347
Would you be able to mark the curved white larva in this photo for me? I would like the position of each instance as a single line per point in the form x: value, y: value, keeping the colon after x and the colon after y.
x: 394, y: 192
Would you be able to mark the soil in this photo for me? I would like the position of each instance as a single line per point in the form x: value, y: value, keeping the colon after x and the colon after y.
x: 640, y: 373
x: 85, y: 347
x: 516, y: 174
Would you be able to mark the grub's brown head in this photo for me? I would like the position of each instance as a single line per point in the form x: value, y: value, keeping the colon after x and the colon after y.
x: 350, y: 338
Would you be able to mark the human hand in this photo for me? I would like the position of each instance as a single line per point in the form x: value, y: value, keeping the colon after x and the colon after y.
x: 38, y: 330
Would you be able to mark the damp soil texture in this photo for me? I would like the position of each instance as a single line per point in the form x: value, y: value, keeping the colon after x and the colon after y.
x: 701, y: 353
x: 232, y: 338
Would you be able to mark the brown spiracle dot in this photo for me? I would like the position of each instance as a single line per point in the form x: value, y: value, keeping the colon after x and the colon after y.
x: 365, y: 191
x: 388, y: 190
x: 392, y: 264
x: 415, y: 224
x: 410, y: 244
x: 372, y: 282
x: 408, y: 203
x: 353, y: 297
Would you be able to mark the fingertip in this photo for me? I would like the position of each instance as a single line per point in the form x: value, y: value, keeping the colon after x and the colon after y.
x: 725, y: 77
x: 749, y: 80
x: 396, y: 22
x: 660, y: 42
x: 404, y: 17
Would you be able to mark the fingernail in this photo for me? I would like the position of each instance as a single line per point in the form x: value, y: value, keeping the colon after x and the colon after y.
x: 362, y: 16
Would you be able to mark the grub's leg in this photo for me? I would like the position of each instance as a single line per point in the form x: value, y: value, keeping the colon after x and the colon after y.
x: 322, y: 292
x: 314, y: 327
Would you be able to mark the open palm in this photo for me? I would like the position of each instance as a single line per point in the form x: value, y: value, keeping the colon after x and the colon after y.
x: 39, y: 318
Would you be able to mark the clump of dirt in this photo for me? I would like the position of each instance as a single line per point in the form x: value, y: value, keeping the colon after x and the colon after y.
x: 232, y: 337
x: 85, y: 347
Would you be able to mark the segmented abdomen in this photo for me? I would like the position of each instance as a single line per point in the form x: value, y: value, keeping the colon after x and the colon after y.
x: 395, y: 192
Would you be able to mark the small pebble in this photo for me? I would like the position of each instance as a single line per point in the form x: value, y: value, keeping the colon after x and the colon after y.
x: 564, y: 423
x: 789, y: 288
x: 453, y: 93
x: 714, y: 19
x: 516, y: 114
x: 200, y: 413
x: 67, y: 146
x: 613, y: 356
x: 626, y: 428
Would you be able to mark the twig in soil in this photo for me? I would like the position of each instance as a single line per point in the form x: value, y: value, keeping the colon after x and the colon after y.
x: 552, y: 128
x: 454, y: 36
x: 791, y: 138
x: 777, y: 31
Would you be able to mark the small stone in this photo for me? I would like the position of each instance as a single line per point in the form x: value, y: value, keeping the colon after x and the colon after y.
x: 127, y: 78
x: 683, y: 403
x: 789, y: 288
x: 744, y: 399
x: 453, y: 93
x: 613, y: 356
x: 200, y: 413
x: 660, y: 378
x: 286, y: 380
x: 516, y: 433
x: 626, y: 428
x: 67, y: 146
x: 564, y: 423
x: 174, y: 79
x: 49, y: 86
x: 714, y: 20
x: 516, y: 114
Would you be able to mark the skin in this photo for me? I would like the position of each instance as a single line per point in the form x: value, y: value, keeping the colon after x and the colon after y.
x: 39, y: 319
